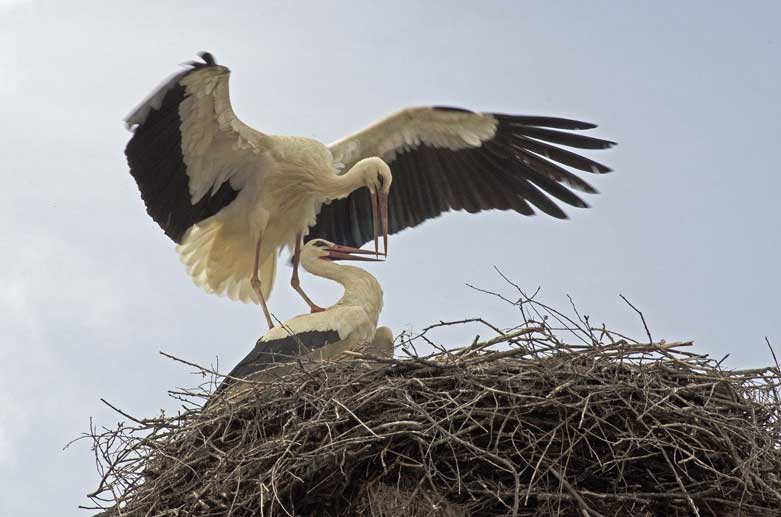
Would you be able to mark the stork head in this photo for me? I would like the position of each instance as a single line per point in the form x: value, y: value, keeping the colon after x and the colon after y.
x: 376, y: 175
x: 378, y: 178
x: 321, y: 249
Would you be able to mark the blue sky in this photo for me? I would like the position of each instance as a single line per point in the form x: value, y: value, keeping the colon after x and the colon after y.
x: 686, y: 227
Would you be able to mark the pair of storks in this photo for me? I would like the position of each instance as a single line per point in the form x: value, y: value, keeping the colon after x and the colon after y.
x: 232, y: 197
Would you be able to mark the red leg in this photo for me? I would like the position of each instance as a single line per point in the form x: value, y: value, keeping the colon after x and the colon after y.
x: 296, y: 283
x: 255, y: 281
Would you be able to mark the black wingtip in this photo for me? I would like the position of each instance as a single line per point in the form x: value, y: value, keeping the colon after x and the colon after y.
x: 579, y: 125
x: 208, y: 58
x: 451, y: 109
x: 542, y: 121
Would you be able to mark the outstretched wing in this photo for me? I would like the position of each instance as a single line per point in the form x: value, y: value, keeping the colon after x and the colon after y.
x: 452, y: 159
x: 189, y: 154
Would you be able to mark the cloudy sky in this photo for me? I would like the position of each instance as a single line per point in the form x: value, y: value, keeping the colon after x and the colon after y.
x: 90, y: 288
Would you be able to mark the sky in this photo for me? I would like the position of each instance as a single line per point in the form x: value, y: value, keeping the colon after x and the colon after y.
x: 91, y: 290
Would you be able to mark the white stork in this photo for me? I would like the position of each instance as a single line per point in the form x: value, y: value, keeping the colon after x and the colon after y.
x: 231, y: 196
x: 348, y: 325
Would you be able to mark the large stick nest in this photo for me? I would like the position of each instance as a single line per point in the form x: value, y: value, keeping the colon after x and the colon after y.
x: 553, y: 417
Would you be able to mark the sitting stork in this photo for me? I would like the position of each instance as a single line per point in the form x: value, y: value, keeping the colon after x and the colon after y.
x: 348, y: 325
x: 231, y: 196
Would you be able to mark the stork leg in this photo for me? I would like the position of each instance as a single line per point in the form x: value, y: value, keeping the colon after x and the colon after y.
x: 255, y: 281
x: 296, y: 283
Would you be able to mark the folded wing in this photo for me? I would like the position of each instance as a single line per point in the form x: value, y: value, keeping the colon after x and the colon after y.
x: 307, y: 338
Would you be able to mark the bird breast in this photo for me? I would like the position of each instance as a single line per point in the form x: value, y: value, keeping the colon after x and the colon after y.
x: 291, y: 190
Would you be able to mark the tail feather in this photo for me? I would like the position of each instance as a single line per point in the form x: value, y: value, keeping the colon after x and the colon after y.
x: 382, y: 344
x: 220, y: 262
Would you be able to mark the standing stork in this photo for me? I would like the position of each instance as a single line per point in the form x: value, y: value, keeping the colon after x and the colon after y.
x: 348, y: 325
x: 231, y: 196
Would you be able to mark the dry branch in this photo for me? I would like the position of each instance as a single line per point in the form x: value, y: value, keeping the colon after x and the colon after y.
x: 523, y: 423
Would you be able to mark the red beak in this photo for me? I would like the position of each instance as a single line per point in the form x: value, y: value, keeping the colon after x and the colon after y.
x: 339, y: 252
x: 383, y: 201
x: 379, y: 202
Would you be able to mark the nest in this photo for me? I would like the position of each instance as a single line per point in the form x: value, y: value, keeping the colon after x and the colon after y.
x: 524, y: 423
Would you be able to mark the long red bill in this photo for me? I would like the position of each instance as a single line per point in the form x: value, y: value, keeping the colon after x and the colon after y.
x: 375, y: 201
x: 337, y: 255
x: 383, y: 202
x: 349, y: 249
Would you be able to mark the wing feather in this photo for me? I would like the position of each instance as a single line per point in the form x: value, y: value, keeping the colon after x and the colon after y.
x: 568, y: 139
x: 283, y: 349
x: 552, y: 122
x: 446, y: 158
x: 189, y: 154
x: 560, y: 155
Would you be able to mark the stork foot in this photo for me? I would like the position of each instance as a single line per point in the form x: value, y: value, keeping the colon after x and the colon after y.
x: 315, y: 308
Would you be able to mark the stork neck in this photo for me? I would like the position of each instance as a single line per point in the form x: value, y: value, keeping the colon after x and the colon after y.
x: 360, y: 287
x: 342, y: 185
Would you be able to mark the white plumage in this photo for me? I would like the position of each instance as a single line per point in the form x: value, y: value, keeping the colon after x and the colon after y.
x: 413, y: 127
x: 348, y: 325
x: 354, y: 316
x: 231, y: 197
